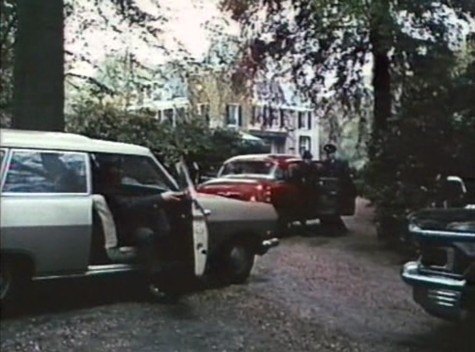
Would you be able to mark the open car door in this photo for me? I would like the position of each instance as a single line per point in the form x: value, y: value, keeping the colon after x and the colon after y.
x: 200, y: 227
x: 337, y: 193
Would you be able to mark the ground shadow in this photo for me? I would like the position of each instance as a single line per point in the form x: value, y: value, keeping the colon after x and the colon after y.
x: 73, y: 294
x: 446, y: 337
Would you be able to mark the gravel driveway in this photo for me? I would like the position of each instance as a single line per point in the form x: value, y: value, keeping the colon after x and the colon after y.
x: 312, y: 293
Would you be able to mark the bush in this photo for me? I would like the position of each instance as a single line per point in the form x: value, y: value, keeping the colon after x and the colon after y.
x: 432, y: 135
x: 190, y: 138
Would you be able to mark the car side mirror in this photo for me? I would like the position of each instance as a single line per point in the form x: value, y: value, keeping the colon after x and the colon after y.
x: 456, y: 183
x: 455, y: 191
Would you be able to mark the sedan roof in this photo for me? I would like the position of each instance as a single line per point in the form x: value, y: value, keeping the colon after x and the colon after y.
x: 262, y: 157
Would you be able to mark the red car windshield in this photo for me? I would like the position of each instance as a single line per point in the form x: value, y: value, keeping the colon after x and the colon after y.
x: 247, y: 167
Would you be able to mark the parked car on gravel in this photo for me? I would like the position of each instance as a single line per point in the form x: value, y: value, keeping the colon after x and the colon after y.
x: 443, y: 278
x: 50, y: 226
x: 271, y: 178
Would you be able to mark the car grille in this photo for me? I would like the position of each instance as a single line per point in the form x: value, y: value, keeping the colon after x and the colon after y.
x: 450, y: 260
x: 434, y: 257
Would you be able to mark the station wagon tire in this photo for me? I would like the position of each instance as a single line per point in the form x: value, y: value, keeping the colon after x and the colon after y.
x: 283, y: 226
x: 11, y: 283
x: 237, y: 262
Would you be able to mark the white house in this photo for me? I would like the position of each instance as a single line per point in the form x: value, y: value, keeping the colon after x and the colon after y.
x: 282, y: 117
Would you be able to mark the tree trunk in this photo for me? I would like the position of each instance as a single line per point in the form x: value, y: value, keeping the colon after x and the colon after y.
x: 380, y: 38
x: 39, y: 66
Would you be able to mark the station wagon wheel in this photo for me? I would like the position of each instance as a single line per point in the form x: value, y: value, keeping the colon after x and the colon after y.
x: 6, y: 281
x: 14, y: 280
x: 237, y: 262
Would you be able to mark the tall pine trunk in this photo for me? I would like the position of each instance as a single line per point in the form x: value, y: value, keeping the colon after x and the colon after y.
x: 381, y: 40
x: 39, y: 66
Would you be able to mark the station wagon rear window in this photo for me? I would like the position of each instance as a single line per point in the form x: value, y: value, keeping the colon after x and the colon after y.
x: 46, y: 172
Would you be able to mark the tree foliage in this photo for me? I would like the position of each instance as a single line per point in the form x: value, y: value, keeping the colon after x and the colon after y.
x: 422, y: 115
x: 190, y: 138
x: 8, y: 22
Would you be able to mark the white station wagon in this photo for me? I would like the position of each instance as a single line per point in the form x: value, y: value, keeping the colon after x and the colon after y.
x: 52, y: 225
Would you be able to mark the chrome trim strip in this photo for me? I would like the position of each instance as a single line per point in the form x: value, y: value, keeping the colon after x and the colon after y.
x: 92, y: 270
x: 443, y: 235
x: 411, y: 275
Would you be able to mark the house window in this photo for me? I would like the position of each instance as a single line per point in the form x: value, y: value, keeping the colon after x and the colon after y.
x: 309, y: 120
x: 254, y: 117
x: 274, y: 117
x: 265, y: 114
x: 159, y: 115
x: 305, y: 143
x: 180, y: 113
x: 168, y: 115
x: 257, y: 115
x: 203, y: 111
x: 282, y: 118
x: 233, y: 115
x: 301, y: 120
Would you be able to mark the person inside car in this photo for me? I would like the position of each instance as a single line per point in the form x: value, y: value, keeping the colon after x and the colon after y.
x: 63, y: 179
x: 139, y: 219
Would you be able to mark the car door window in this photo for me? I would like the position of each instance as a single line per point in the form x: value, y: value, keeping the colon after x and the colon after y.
x: 46, y: 172
x: 129, y: 170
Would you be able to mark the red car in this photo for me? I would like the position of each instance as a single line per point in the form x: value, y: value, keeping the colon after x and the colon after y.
x: 272, y: 178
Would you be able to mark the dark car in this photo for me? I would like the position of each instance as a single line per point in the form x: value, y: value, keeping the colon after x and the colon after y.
x: 443, y: 278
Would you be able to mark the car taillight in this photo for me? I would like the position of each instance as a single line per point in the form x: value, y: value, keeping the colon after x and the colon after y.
x: 262, y: 194
x: 267, y: 194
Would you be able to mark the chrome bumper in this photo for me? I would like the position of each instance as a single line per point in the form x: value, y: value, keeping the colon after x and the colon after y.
x: 438, y: 295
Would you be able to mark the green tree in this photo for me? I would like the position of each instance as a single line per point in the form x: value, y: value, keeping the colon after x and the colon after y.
x: 7, y: 41
x: 422, y: 118
x: 323, y: 42
x: 37, y: 57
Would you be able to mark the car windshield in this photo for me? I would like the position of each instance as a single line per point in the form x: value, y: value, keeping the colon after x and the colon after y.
x: 247, y: 167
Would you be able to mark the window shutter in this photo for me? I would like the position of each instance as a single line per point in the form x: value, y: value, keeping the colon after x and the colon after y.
x: 227, y: 119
